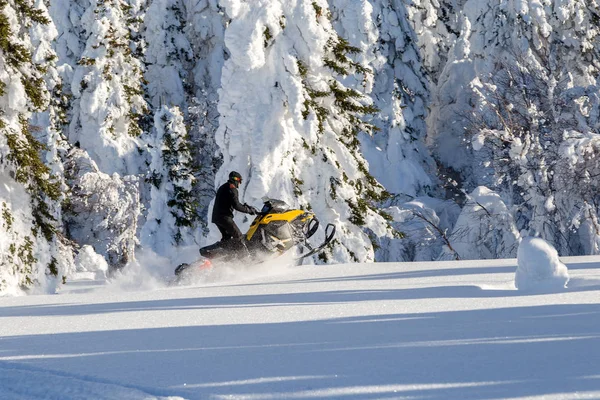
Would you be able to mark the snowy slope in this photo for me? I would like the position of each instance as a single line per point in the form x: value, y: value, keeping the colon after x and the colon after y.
x: 441, y: 330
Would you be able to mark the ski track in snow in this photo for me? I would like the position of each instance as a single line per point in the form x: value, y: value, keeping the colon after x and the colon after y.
x: 437, y: 330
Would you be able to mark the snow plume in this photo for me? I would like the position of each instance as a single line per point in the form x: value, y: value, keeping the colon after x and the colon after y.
x: 288, y: 122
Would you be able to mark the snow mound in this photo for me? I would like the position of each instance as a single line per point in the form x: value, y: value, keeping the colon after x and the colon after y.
x: 539, y: 267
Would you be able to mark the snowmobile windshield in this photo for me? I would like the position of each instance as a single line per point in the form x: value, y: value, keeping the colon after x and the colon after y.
x: 274, y: 206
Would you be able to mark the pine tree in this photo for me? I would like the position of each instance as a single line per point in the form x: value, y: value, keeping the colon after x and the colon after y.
x: 110, y: 112
x: 173, y: 210
x: 205, y: 24
x: 166, y: 53
x: 30, y: 247
x: 312, y: 149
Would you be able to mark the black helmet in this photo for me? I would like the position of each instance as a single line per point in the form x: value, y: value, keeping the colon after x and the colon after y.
x: 235, y: 178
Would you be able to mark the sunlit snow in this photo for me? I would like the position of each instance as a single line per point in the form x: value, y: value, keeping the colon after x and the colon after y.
x: 436, y: 330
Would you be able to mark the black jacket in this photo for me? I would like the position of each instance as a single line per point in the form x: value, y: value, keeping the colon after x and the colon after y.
x: 227, y: 201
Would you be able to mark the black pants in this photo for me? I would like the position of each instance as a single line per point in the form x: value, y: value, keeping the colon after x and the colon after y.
x: 230, y: 246
x: 228, y: 229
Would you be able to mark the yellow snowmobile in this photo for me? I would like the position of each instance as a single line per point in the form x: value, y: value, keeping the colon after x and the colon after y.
x: 275, y: 230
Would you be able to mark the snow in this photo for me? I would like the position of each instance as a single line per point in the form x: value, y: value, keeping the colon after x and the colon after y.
x: 539, y: 266
x: 433, y: 330
x: 90, y: 264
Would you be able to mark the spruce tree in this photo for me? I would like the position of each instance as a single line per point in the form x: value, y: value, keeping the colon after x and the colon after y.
x: 30, y: 246
x: 166, y: 53
x: 173, y: 210
x: 110, y: 112
x: 204, y: 29
x: 311, y: 148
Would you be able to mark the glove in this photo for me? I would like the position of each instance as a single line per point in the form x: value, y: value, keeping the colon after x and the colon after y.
x: 253, y: 211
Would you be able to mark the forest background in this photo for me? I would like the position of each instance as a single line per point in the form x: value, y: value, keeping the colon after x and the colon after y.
x: 424, y: 129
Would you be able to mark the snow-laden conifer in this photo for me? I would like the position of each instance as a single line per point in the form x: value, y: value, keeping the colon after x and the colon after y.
x: 110, y: 112
x: 290, y: 122
x: 166, y: 52
x: 396, y: 152
x: 205, y: 32
x: 30, y: 250
x: 172, y: 210
x: 435, y: 26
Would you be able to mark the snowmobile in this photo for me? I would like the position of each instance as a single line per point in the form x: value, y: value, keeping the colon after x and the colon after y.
x: 276, y: 229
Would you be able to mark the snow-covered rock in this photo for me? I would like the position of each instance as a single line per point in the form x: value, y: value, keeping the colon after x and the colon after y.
x: 539, y: 267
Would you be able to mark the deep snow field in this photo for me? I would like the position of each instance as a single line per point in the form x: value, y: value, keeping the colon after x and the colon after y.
x: 438, y: 330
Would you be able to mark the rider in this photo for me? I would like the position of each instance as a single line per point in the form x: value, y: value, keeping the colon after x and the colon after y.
x: 225, y: 202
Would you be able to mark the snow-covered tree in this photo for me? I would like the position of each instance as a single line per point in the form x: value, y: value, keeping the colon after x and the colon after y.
x: 523, y: 73
x: 396, y: 152
x: 172, y: 208
x: 30, y: 199
x: 205, y: 24
x: 166, y: 53
x: 102, y: 210
x: 435, y: 24
x: 485, y: 229
x: 110, y: 112
x: 290, y: 122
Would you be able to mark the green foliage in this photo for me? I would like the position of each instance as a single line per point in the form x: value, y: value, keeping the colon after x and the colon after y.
x: 14, y: 53
x: 25, y: 255
x: 30, y: 170
x: 7, y: 216
x: 302, y: 69
x: 35, y: 90
x: 333, y: 184
x: 2, y: 88
x: 86, y: 61
x: 335, y: 67
x: 182, y: 202
x: 33, y: 14
x: 341, y: 63
x: 297, y: 184
x: 268, y: 36
x: 134, y: 128
x: 53, y: 267
x: 318, y: 9
x: 359, y: 211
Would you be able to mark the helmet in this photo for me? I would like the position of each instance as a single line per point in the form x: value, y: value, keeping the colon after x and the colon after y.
x: 235, y: 178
